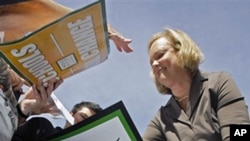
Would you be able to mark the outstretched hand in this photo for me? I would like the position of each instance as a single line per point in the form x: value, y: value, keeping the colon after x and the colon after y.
x: 122, y: 43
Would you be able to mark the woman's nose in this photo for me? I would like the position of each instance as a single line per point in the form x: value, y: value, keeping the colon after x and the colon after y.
x: 155, y: 64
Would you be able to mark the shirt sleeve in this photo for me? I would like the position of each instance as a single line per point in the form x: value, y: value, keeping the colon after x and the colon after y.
x: 232, y: 108
x: 154, y: 130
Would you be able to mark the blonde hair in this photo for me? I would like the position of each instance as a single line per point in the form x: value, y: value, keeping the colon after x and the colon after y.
x: 188, y: 53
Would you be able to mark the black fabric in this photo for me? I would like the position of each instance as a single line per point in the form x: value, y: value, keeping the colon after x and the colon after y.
x: 35, y: 129
x: 20, y: 112
x: 6, y: 2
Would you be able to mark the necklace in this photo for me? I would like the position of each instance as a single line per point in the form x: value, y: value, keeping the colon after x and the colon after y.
x: 181, y: 99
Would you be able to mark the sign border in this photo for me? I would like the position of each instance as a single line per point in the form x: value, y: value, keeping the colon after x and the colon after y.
x: 116, y: 110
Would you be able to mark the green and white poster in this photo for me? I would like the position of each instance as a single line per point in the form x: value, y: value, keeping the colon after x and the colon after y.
x: 112, y: 124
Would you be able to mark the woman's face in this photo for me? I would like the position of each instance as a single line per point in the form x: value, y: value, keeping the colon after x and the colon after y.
x: 164, y: 61
x: 83, y: 114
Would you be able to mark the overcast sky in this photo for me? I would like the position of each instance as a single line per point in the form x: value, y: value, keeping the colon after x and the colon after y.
x: 221, y: 29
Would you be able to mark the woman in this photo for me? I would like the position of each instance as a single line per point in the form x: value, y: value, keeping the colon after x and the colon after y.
x: 203, y: 105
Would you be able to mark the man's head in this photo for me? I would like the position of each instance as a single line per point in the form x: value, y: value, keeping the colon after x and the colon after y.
x: 83, y: 110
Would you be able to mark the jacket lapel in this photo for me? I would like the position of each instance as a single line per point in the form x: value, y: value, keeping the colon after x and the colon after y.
x: 197, y: 89
x: 173, y: 109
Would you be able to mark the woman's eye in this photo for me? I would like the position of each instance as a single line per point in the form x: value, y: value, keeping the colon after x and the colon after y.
x: 159, y: 55
x: 155, y: 58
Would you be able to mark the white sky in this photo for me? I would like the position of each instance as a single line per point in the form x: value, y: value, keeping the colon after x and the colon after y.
x: 221, y: 29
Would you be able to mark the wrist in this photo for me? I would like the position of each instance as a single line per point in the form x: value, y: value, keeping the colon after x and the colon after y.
x: 21, y: 112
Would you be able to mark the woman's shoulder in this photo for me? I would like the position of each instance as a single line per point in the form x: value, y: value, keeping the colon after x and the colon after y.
x: 215, y: 74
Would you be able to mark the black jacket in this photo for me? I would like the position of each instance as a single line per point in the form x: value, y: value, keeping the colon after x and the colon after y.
x: 35, y: 129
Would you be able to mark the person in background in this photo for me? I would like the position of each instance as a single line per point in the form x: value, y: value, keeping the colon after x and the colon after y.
x: 38, y: 128
x: 12, y: 113
x: 19, y: 18
x: 8, y: 102
x: 83, y: 110
x: 202, y: 104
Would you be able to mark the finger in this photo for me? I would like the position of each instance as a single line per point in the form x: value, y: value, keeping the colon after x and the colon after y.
x: 16, y: 80
x: 48, y: 106
x: 118, y: 47
x: 58, y: 83
x: 29, y: 94
x: 118, y: 43
x: 50, y: 87
x: 17, y: 86
x: 128, y: 41
x: 51, y: 103
x: 127, y: 48
x: 36, y: 93
x: 42, y: 91
x: 26, y: 83
x: 122, y: 43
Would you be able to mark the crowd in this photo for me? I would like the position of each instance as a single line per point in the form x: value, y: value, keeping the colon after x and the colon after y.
x: 31, y: 15
x: 202, y: 106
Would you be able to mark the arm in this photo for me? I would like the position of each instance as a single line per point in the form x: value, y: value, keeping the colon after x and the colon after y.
x: 37, y: 100
x: 232, y: 108
x: 154, y: 130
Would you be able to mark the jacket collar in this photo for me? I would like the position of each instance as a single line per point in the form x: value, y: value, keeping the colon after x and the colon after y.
x: 173, y: 109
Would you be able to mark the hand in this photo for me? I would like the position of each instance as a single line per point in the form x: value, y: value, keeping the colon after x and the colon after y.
x: 16, y: 81
x: 37, y: 99
x: 121, y: 42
